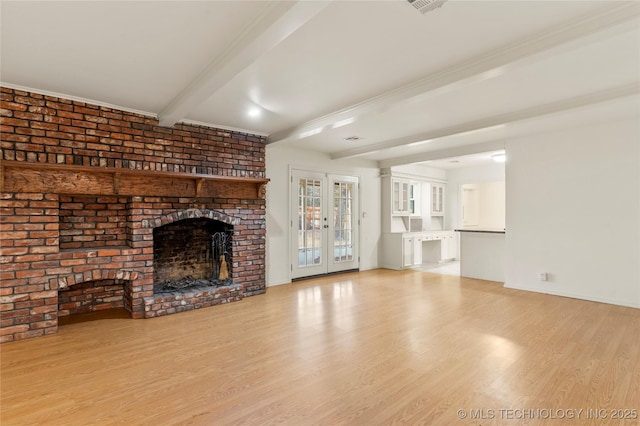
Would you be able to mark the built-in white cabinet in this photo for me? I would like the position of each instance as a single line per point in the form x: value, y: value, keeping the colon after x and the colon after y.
x: 406, y: 203
x: 407, y: 251
x: 404, y: 250
x: 448, y: 246
x: 400, y: 197
x: 411, y: 250
x: 447, y: 249
x: 417, y: 249
x: 437, y: 199
x: 396, y: 250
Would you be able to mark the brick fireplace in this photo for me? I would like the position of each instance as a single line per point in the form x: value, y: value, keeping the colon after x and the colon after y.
x: 101, y: 206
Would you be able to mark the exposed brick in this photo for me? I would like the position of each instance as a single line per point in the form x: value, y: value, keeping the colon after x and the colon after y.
x: 29, y: 334
x: 9, y: 310
x: 14, y: 106
x: 100, y: 237
x: 43, y: 309
x: 29, y: 99
x: 14, y: 329
x: 43, y: 324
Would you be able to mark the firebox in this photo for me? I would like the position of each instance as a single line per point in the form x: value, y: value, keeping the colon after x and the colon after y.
x: 191, y: 253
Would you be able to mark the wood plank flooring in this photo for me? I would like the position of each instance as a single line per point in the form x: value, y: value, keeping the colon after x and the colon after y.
x: 373, y: 348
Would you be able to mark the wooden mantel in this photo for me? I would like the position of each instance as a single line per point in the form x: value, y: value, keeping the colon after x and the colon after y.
x: 27, y: 177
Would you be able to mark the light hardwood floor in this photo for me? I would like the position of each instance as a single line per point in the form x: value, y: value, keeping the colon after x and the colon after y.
x: 377, y: 347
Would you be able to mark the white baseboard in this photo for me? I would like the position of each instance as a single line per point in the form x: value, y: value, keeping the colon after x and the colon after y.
x: 576, y: 296
x: 278, y: 283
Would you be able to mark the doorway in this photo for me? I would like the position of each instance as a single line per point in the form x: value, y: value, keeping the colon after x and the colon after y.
x: 470, y: 205
x: 324, y: 223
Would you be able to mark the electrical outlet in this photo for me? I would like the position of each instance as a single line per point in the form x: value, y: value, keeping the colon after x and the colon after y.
x: 544, y: 276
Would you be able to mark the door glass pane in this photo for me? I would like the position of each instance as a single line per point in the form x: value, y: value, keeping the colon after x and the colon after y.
x: 309, y: 222
x: 343, y: 221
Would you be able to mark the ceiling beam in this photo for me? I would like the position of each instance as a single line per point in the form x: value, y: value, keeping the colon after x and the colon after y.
x: 458, y: 151
x: 278, y: 21
x: 480, y: 68
x: 497, y: 120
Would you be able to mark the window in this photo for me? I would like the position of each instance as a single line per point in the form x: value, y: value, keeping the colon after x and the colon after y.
x: 414, y: 199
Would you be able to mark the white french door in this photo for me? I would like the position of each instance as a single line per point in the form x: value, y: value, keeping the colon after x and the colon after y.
x: 324, y: 223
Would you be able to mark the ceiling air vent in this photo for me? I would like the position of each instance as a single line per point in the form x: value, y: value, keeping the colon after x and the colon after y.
x: 425, y: 6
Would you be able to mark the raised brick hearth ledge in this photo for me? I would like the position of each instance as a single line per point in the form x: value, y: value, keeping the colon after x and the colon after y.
x: 171, y: 302
x: 82, y: 189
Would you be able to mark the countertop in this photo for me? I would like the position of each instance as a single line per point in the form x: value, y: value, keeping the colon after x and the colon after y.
x: 483, y: 230
x: 428, y: 231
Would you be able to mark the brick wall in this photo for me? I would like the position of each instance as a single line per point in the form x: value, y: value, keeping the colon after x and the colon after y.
x: 52, y: 242
x: 52, y: 130
x: 92, y: 221
x: 29, y: 257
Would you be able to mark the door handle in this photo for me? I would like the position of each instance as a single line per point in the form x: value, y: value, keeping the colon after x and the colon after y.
x: 325, y: 226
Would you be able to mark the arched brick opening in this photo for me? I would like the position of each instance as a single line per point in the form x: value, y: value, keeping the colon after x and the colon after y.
x: 94, y: 290
x: 190, y: 214
x: 97, y: 275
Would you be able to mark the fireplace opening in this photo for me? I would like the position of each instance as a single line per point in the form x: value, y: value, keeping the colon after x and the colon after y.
x: 192, y: 253
x: 90, y: 296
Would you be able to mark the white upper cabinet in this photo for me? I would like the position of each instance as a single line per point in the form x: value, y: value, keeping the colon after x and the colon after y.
x: 406, y: 202
x: 400, y: 196
x: 437, y: 199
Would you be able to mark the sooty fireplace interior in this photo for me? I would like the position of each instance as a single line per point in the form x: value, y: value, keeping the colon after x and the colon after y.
x: 192, y: 253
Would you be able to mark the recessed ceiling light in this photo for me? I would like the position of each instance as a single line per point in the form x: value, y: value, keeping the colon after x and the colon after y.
x: 344, y: 122
x: 500, y: 157
x: 254, y: 112
x: 352, y: 138
x: 454, y: 161
x: 310, y: 132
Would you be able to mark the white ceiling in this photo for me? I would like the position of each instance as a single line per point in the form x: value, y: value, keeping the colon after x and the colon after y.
x: 455, y: 81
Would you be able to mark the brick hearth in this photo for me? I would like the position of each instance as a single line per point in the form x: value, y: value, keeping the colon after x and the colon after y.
x: 84, y: 187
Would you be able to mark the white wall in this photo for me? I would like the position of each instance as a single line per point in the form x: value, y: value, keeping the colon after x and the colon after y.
x: 573, y: 211
x: 492, y: 204
x: 279, y: 160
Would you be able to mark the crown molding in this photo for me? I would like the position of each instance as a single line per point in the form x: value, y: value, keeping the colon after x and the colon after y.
x: 488, y: 65
x: 221, y: 127
x: 443, y: 153
x: 121, y: 108
x: 77, y: 99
